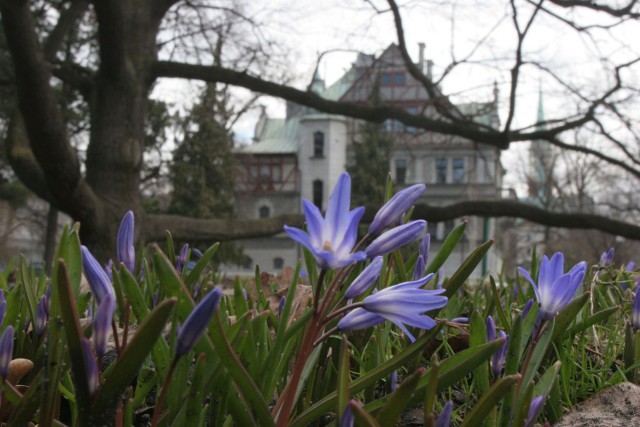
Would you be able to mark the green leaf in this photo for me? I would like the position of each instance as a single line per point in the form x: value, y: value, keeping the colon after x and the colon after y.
x: 489, y: 400
x: 512, y: 363
x: 73, y: 333
x: 477, y: 337
x: 539, y: 351
x: 201, y: 264
x: 568, y: 314
x: 447, y: 247
x: 344, y: 376
x: 543, y: 387
x: 598, y: 317
x: 119, y: 376
x: 196, y: 395
x: 388, y: 415
x: 27, y: 405
x: 362, y: 417
x: 629, y: 352
x: 466, y: 268
x: 160, y: 352
x: 522, y: 409
x: 498, y: 305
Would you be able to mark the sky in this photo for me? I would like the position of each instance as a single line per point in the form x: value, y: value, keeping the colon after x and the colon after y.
x: 478, y: 34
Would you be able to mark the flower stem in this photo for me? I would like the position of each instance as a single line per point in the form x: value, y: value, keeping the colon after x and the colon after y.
x: 316, y: 297
x: 163, y: 393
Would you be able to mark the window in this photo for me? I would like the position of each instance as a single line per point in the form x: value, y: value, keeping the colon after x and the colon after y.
x: 458, y: 171
x: 386, y: 79
x: 317, y: 193
x: 318, y: 144
x: 401, y: 171
x: 264, y: 212
x: 278, y: 263
x: 400, y: 79
x: 441, y: 171
x: 265, y: 173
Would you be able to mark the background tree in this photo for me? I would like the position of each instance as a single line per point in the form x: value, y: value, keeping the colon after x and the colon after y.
x: 125, y: 47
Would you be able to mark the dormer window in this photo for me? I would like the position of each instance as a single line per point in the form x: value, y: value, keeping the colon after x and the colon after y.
x: 318, y: 144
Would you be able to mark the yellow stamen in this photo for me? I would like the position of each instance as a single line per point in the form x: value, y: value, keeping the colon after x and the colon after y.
x: 327, y: 246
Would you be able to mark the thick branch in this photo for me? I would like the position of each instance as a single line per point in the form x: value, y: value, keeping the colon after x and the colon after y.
x: 376, y: 114
x: 42, y: 117
x: 194, y: 230
x: 65, y: 24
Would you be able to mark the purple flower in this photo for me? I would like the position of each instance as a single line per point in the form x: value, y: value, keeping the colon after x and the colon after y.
x: 6, y: 351
x: 109, y: 270
x: 490, y: 327
x: 419, y: 268
x: 91, y: 367
x: 281, y: 304
x: 41, y: 316
x: 527, y: 307
x: 534, y: 410
x: 396, y: 238
x: 124, y: 242
x: 425, y: 245
x: 101, y: 324
x: 402, y: 304
x: 555, y: 288
x: 606, y: 259
x: 331, y: 239
x: 499, y: 357
x: 98, y: 280
x: 3, y: 310
x: 393, y: 381
x: 635, y: 314
x: 182, y: 258
x: 197, y: 322
x: 463, y: 320
x: 630, y: 266
x: 365, y: 279
x: 347, y: 419
x: 391, y: 211
x: 444, y: 419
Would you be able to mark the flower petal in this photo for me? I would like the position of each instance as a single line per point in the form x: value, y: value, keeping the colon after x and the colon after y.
x: 338, y: 208
x: 315, y: 223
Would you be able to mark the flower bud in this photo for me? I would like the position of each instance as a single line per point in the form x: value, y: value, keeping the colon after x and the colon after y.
x: 98, y: 281
x: 91, y: 367
x: 444, y: 419
x: 6, y: 351
x: 396, y: 238
x: 391, y: 211
x: 365, y: 279
x: 534, y: 410
x: 197, y: 322
x: 182, y: 258
x: 635, y: 315
x: 124, y: 242
x: 425, y: 246
x: 499, y: 357
x: 41, y: 316
x: 102, y: 323
x: 418, y: 270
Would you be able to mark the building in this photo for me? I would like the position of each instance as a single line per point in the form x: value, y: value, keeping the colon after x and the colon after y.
x: 302, y: 155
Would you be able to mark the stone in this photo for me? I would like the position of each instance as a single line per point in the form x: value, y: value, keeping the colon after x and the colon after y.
x: 616, y: 406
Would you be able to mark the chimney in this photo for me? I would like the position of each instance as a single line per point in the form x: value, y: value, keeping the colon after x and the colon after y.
x: 429, y: 69
x: 421, y: 57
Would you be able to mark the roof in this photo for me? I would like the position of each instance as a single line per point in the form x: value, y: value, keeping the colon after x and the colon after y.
x: 480, y: 112
x: 279, y: 136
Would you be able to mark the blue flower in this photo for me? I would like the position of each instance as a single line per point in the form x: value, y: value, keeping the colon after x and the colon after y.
x: 91, y: 367
x: 331, y: 239
x: 402, y: 304
x: 6, y: 351
x: 534, y: 410
x: 365, y: 279
x: 197, y: 322
x: 419, y: 268
x: 101, y: 324
x: 635, y: 314
x: 96, y: 276
x: 606, y: 259
x: 391, y: 211
x: 396, y: 238
x: 444, y: 419
x: 555, y: 288
x: 124, y: 242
